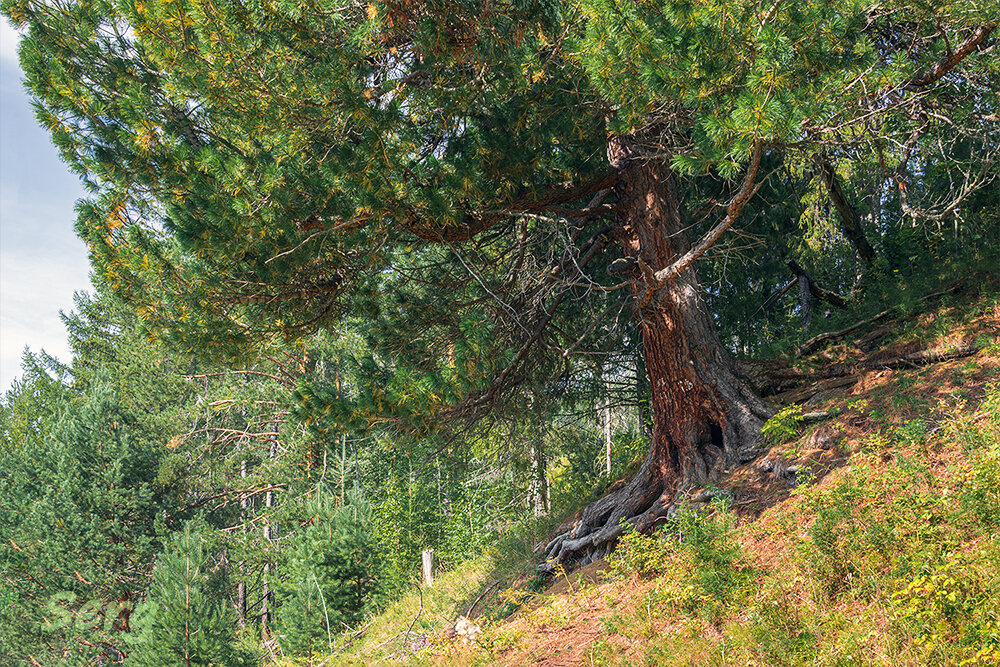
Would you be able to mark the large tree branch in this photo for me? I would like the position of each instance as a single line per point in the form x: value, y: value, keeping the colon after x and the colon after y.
x: 884, y: 99
x: 818, y: 292
x: 949, y: 62
x: 849, y: 220
x: 747, y: 191
x: 474, y: 224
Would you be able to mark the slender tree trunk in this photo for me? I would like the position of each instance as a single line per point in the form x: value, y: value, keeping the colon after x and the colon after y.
x: 538, y: 482
x: 850, y: 222
x: 343, y: 468
x: 607, y: 437
x: 704, y: 418
x: 539, y: 491
x: 604, y: 416
x: 265, y: 608
x: 241, y: 589
x: 805, y: 303
x: 440, y: 486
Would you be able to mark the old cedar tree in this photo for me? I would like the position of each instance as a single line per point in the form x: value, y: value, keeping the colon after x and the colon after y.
x: 255, y: 164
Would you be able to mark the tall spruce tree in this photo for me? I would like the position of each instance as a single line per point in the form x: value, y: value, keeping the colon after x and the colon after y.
x: 454, y: 169
x: 77, y: 510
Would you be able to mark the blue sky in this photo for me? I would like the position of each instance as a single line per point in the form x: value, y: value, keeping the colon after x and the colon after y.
x: 42, y: 262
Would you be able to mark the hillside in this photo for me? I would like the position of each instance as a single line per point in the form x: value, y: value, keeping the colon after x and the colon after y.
x: 867, y: 534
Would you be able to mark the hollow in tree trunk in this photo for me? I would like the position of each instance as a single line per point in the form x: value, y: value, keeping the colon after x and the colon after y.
x: 704, y: 417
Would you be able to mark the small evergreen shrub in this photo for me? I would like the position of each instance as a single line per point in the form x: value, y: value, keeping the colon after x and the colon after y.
x: 186, y: 618
x: 330, y: 578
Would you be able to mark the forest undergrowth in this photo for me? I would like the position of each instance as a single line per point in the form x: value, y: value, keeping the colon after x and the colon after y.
x: 867, y: 534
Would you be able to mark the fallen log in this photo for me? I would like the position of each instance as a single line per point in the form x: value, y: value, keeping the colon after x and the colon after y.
x: 843, y: 375
x: 769, y: 377
x: 816, y: 342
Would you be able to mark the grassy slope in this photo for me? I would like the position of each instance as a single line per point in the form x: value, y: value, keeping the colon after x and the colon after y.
x: 887, y: 551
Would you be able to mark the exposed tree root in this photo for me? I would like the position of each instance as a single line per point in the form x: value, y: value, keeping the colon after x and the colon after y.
x: 640, y: 503
x: 652, y: 495
x: 649, y: 498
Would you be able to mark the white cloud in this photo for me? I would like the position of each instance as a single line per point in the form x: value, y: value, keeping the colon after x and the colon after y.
x: 42, y: 264
x: 35, y: 284
x: 8, y: 43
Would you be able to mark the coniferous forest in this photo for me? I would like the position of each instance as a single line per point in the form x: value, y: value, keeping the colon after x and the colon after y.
x: 527, y: 283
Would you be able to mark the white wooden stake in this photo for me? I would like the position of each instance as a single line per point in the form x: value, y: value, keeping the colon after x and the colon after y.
x: 428, y: 562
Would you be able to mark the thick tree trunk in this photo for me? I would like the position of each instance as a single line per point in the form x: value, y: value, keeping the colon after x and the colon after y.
x: 704, y: 418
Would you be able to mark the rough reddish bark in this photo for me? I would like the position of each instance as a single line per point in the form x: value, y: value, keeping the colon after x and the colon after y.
x: 704, y: 418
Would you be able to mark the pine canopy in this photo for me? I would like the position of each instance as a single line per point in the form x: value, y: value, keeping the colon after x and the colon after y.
x: 258, y: 170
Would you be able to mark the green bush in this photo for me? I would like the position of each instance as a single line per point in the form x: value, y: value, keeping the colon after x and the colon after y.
x: 784, y: 425
x: 720, y: 574
x: 912, y: 433
x: 848, y: 537
x: 642, y: 554
x: 952, y: 612
x: 186, y: 618
x: 330, y: 578
x: 701, y: 552
x: 777, y: 633
x: 980, y: 490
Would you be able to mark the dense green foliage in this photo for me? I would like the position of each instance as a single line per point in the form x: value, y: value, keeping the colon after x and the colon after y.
x: 80, y: 505
x: 262, y: 171
x: 108, y: 459
x: 330, y: 575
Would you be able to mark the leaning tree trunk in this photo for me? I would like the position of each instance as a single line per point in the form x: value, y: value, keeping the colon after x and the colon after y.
x: 849, y: 220
x: 704, y: 418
